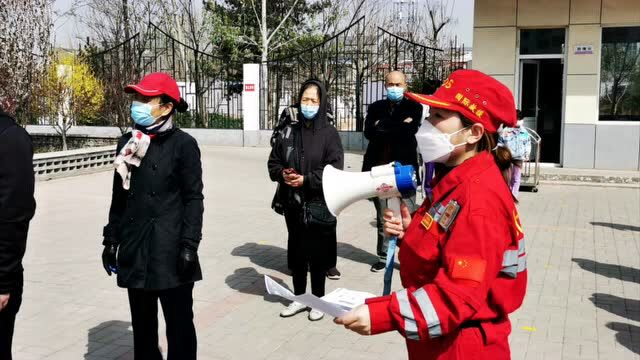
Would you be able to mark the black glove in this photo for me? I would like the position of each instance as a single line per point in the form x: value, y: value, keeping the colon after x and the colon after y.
x: 187, y: 262
x: 109, y: 261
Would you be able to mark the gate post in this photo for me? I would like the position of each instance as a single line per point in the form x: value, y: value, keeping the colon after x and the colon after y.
x: 251, y: 104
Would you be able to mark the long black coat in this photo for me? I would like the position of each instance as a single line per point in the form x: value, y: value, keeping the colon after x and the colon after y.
x: 17, y: 204
x: 160, y: 213
x: 308, y: 148
x: 391, y: 133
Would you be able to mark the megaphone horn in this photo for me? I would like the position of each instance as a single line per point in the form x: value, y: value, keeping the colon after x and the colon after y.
x: 343, y: 188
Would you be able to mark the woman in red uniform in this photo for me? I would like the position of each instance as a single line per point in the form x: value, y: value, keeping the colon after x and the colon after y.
x: 462, y: 256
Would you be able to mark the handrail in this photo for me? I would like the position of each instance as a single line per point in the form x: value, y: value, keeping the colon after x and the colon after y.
x: 73, y: 162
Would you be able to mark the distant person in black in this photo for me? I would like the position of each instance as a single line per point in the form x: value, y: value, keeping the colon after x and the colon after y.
x: 390, y: 127
x: 17, y: 207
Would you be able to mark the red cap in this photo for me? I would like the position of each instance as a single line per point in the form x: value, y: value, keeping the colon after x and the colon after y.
x: 156, y: 84
x: 477, y: 96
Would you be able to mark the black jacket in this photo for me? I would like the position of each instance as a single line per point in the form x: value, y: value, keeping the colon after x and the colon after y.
x: 160, y: 213
x: 391, y: 133
x: 17, y: 205
x: 308, y: 148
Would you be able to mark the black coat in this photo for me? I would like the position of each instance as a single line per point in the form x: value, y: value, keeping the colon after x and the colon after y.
x: 308, y: 148
x: 391, y: 133
x: 17, y: 205
x: 160, y: 213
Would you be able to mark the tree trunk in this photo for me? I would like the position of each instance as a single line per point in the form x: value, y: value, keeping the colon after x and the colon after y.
x: 127, y: 34
x: 64, y: 137
x: 264, y: 78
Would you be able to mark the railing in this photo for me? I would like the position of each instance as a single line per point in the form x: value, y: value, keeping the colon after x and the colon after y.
x: 73, y: 162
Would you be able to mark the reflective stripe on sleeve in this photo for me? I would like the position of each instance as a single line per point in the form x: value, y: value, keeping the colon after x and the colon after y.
x: 410, y: 327
x: 429, y: 313
x: 514, y: 261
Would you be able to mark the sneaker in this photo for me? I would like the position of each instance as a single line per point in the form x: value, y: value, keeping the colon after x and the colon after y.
x: 293, y: 308
x: 333, y: 274
x: 377, y: 267
x: 315, y: 315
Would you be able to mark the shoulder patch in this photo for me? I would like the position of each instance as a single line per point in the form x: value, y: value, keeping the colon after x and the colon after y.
x: 467, y: 268
x: 449, y: 214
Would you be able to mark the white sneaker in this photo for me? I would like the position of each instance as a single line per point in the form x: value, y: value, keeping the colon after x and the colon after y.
x: 293, y: 308
x: 315, y: 315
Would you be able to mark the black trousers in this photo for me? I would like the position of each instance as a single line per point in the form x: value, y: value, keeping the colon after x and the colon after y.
x: 7, y: 323
x: 309, y: 249
x: 177, y: 306
x: 317, y: 281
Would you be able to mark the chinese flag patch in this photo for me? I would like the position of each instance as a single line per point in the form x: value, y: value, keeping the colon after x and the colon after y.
x: 468, y: 268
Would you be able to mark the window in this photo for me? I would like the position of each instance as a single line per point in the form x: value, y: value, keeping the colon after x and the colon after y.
x: 620, y: 74
x: 541, y: 41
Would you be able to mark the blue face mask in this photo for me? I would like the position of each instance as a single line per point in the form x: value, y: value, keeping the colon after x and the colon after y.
x: 395, y: 93
x: 309, y: 111
x: 141, y: 113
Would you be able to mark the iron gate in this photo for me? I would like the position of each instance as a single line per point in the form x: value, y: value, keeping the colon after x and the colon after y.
x: 210, y: 85
x: 353, y: 65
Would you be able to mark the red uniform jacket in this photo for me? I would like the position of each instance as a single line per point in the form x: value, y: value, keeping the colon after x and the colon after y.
x: 462, y: 262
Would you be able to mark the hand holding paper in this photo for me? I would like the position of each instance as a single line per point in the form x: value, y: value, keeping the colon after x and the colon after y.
x: 336, y: 304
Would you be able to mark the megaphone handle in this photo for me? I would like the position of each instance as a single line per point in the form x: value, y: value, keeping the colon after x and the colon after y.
x: 394, y: 205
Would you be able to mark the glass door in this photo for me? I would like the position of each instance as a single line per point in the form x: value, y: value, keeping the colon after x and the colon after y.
x: 529, y: 94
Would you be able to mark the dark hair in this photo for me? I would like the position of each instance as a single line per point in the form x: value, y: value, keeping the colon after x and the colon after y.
x: 501, y: 154
x: 306, y: 86
x: 180, y: 107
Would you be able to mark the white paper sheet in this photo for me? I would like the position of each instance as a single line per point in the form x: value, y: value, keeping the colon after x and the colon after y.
x: 335, y: 304
x: 274, y: 288
x: 346, y: 298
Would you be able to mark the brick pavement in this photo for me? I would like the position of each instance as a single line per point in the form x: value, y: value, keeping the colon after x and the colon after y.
x: 583, y: 300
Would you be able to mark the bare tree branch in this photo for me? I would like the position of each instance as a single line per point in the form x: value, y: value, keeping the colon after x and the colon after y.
x: 283, y: 21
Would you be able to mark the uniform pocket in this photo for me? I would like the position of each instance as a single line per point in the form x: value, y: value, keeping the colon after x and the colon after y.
x: 469, y: 344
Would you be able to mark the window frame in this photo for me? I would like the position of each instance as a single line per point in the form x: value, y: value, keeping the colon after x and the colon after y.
x: 600, y: 54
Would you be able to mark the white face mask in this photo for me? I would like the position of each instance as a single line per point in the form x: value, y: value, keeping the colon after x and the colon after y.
x: 435, y: 145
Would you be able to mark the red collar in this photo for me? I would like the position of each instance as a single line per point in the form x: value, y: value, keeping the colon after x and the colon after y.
x: 460, y: 173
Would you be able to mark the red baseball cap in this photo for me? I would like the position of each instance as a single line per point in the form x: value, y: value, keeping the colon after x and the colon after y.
x: 156, y: 84
x: 477, y: 96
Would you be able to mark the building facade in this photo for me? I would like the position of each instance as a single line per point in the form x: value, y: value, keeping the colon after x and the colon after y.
x: 574, y: 69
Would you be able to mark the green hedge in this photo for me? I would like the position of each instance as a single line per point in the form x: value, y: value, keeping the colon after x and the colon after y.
x: 214, y: 121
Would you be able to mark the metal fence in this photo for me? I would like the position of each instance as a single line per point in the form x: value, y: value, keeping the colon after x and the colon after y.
x: 211, y: 86
x: 353, y: 65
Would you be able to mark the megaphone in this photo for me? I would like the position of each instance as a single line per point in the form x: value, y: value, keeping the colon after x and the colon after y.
x: 391, y: 181
x: 343, y: 188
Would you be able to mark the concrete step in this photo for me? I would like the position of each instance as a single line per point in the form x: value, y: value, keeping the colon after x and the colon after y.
x: 556, y: 174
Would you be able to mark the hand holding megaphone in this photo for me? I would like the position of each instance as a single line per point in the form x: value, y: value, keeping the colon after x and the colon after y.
x: 394, y: 225
x: 392, y: 181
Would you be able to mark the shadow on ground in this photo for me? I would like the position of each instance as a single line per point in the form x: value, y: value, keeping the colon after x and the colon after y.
x: 620, y: 227
x: 350, y: 252
x: 627, y: 335
x: 249, y: 281
x: 266, y: 256
x: 114, y: 332
x: 613, y: 271
x: 626, y: 308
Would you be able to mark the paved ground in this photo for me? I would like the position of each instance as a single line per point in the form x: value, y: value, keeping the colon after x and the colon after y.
x: 583, y: 300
